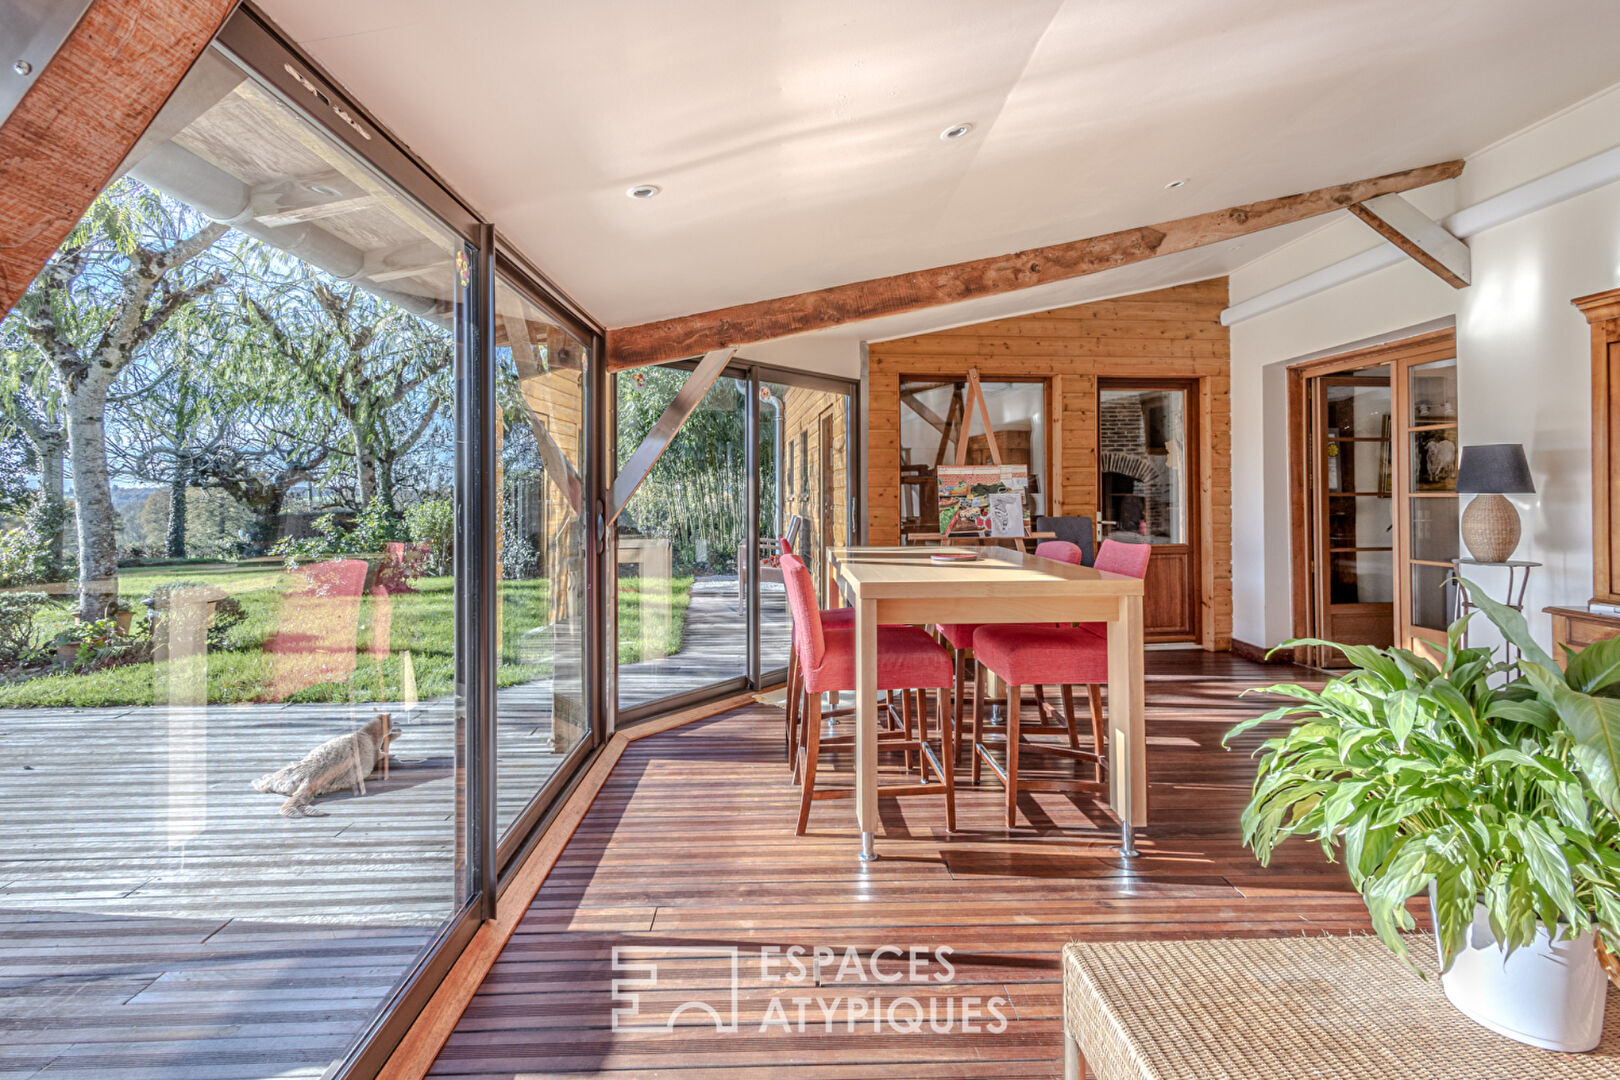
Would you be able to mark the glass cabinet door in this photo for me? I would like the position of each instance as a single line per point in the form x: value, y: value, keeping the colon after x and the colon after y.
x: 1430, y: 452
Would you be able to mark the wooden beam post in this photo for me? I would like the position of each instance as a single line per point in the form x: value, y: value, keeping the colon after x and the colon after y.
x: 691, y: 335
x: 62, y: 143
x: 663, y: 432
x: 1424, y: 239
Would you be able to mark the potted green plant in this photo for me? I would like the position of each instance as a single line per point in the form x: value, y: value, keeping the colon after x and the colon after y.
x: 1492, y: 786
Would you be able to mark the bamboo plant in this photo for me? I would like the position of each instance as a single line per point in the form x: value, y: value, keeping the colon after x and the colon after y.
x: 1492, y: 782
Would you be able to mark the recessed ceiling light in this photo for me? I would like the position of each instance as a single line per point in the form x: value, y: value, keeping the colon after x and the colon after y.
x: 1172, y: 185
x: 956, y: 131
x: 644, y: 191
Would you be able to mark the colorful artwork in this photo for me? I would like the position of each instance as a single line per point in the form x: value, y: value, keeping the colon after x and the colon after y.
x: 965, y: 498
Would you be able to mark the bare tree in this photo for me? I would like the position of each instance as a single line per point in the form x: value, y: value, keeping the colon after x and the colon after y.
x: 130, y: 266
x: 383, y: 370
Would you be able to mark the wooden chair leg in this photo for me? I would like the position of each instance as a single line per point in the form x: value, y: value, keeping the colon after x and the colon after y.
x: 978, y: 719
x: 812, y: 748
x: 1013, y: 709
x: 1068, y: 716
x: 906, y: 723
x: 793, y: 708
x: 947, y: 756
x: 957, y: 694
x: 922, y: 731
x: 1094, y: 695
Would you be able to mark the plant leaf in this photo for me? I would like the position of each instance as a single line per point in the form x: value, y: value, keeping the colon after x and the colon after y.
x: 1512, y: 624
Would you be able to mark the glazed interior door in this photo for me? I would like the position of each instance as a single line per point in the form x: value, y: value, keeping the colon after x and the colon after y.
x: 1147, y: 492
x: 1426, y: 451
x: 1352, y: 508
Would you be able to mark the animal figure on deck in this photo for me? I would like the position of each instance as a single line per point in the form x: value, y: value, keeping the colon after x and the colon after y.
x: 342, y: 762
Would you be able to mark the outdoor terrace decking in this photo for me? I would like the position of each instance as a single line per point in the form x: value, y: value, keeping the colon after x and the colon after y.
x: 689, y: 846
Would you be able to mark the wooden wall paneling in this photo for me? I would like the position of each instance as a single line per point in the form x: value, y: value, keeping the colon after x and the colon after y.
x: 1166, y: 333
x: 690, y: 335
x: 62, y: 143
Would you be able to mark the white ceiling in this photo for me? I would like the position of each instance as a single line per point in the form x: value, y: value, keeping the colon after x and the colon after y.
x: 797, y: 141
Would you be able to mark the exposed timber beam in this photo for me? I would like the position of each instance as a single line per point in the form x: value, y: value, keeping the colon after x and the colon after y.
x: 1421, y: 237
x: 62, y: 143
x: 664, y: 431
x: 932, y: 418
x: 672, y: 339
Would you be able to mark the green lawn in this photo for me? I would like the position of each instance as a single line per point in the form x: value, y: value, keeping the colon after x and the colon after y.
x: 422, y: 630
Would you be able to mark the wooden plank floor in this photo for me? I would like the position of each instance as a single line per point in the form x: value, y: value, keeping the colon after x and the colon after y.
x: 687, y: 857
x: 158, y: 918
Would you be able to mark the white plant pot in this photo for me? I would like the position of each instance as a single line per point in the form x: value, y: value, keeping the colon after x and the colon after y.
x: 1549, y: 994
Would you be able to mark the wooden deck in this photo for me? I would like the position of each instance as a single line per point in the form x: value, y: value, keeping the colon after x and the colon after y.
x: 688, y: 855
x: 158, y: 918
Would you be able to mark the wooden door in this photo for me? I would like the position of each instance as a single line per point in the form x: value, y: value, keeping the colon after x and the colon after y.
x: 1349, y: 437
x: 1147, y: 492
x: 1427, y: 508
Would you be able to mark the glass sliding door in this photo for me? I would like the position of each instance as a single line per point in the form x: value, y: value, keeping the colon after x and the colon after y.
x: 541, y: 716
x: 804, y: 495
x: 682, y: 540
x: 229, y: 679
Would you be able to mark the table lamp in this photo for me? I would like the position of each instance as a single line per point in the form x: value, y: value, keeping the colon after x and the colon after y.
x: 1490, y: 525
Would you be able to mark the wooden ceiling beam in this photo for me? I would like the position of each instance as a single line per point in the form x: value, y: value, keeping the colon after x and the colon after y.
x: 764, y: 320
x: 62, y: 143
x: 1423, y: 239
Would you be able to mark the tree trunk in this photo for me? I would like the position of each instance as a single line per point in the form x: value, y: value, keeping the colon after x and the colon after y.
x: 365, y: 470
x: 385, y: 484
x: 50, y: 482
x: 93, y: 513
x: 266, y: 524
x: 174, y: 544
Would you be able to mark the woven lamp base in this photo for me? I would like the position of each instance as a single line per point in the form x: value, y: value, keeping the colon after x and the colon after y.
x: 1490, y: 528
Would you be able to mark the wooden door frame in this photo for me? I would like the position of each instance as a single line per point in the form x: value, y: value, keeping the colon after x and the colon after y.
x: 1192, y: 388
x: 1301, y: 583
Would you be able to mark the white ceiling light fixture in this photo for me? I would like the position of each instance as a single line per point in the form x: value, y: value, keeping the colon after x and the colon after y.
x: 1172, y: 185
x: 644, y: 191
x: 956, y: 131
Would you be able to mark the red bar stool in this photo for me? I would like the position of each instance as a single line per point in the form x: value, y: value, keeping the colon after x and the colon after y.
x: 908, y: 660
x: 831, y: 619
x: 959, y: 637
x: 1023, y: 655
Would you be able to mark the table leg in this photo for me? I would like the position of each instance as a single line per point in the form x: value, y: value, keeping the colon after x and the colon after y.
x: 866, y: 742
x: 1127, y: 736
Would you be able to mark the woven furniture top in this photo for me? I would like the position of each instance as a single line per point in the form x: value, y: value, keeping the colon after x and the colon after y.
x: 1285, y: 1008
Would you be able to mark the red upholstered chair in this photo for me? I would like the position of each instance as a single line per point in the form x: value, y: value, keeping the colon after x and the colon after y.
x: 907, y: 660
x: 959, y: 636
x: 1026, y: 655
x: 830, y: 618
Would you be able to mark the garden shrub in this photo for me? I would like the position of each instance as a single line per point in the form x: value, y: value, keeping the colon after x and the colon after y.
x: 27, y: 555
x: 228, y: 611
x: 20, y: 641
x: 432, y: 523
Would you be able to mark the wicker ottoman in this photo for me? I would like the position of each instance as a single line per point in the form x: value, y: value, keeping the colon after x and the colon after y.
x: 1286, y: 1008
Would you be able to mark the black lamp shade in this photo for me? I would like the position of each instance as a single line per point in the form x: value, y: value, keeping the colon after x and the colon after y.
x: 1497, y: 467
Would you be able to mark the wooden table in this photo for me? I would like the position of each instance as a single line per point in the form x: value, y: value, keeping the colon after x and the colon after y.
x: 1279, y: 1008
x: 889, y: 585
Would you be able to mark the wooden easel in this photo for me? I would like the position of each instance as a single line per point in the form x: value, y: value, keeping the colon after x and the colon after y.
x: 975, y: 397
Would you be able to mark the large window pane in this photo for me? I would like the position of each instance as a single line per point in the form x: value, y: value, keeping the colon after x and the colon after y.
x: 933, y: 415
x: 1142, y: 456
x: 228, y: 649
x: 806, y: 499
x: 682, y: 596
x: 540, y: 381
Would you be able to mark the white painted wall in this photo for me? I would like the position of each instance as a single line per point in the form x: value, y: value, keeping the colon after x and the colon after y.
x: 1523, y: 356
